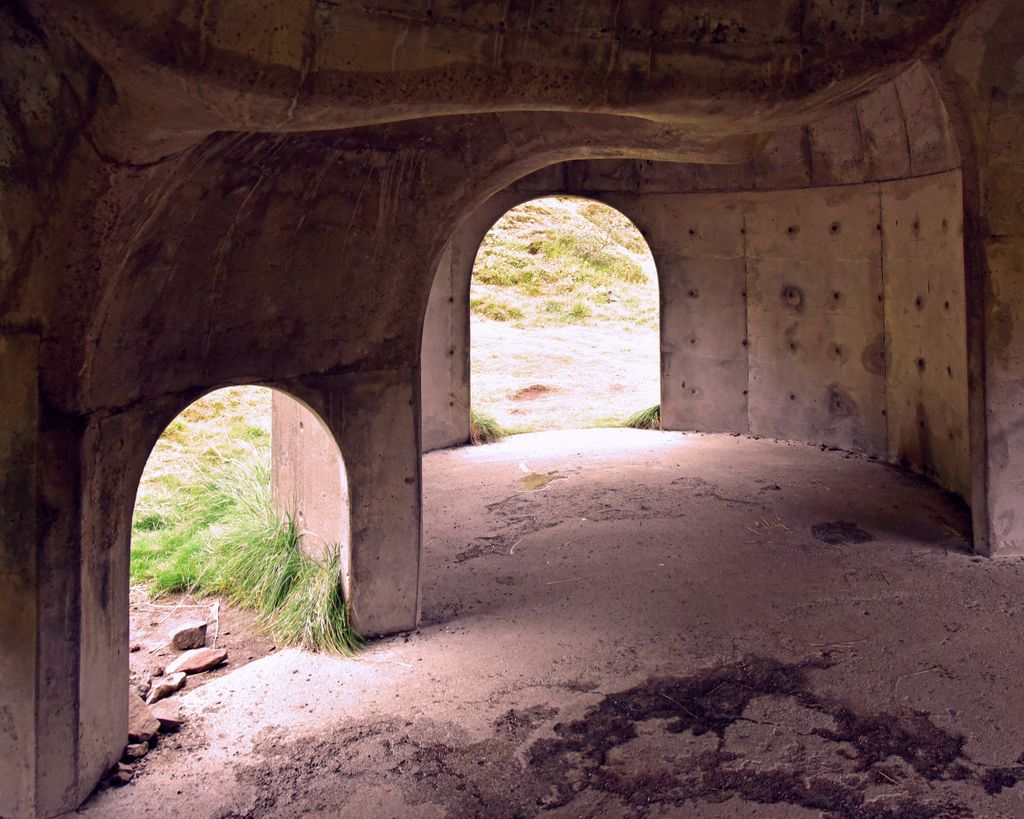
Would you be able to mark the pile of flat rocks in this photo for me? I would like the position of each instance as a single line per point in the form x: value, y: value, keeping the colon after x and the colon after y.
x: 149, y: 717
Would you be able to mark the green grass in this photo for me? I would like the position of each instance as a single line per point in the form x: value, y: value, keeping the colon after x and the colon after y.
x: 649, y: 418
x: 494, y: 309
x: 545, y: 255
x: 483, y: 429
x: 220, y: 534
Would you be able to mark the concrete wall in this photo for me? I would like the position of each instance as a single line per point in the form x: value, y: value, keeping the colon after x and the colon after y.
x: 799, y: 314
x: 270, y: 207
x: 308, y: 479
x: 784, y: 284
x: 926, y: 335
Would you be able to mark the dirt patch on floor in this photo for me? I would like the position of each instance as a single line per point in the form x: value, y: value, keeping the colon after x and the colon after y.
x: 840, y: 531
x: 753, y: 730
x: 228, y: 627
x: 533, y: 391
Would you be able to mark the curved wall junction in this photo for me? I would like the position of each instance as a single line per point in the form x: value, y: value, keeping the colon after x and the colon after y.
x: 813, y: 294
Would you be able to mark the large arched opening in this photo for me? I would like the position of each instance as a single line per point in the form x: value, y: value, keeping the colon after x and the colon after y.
x: 564, y: 310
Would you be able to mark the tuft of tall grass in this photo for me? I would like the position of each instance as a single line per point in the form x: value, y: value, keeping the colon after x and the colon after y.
x: 315, y: 613
x: 222, y: 535
x: 649, y: 418
x: 483, y: 429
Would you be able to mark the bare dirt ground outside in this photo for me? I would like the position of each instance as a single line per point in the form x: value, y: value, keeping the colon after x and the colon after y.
x: 582, y: 376
x: 564, y: 322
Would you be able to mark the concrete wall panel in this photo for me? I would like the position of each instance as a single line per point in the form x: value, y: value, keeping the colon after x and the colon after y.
x: 698, y: 242
x: 815, y: 317
x: 925, y: 320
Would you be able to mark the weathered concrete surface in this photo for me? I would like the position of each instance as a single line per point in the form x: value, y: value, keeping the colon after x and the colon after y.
x: 925, y: 323
x: 598, y: 596
x: 985, y: 89
x: 180, y: 211
x: 181, y: 73
x: 308, y: 479
x: 783, y: 313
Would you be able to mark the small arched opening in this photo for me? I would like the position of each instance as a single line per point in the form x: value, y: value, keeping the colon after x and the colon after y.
x: 226, y: 562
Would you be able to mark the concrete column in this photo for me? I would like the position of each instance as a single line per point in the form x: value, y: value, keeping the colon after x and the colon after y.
x: 984, y: 84
x: 373, y: 418
x: 19, y: 572
x: 63, y: 712
x: 308, y: 478
x: 445, y: 349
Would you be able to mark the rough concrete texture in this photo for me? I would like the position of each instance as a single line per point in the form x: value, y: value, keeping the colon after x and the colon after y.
x: 802, y: 314
x: 697, y: 625
x: 308, y: 478
x: 194, y: 195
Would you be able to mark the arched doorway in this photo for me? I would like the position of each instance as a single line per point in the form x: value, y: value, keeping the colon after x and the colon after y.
x: 218, y: 533
x: 563, y: 319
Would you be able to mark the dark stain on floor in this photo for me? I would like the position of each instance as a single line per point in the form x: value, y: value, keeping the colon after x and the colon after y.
x: 839, y: 532
x: 701, y: 734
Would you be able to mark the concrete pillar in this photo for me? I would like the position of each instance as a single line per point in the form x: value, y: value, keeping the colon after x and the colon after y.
x: 445, y: 347
x: 373, y: 418
x: 982, y: 76
x: 308, y: 479
x: 63, y: 600
x: 19, y: 572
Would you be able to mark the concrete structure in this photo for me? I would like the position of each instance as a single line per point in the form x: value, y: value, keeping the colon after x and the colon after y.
x: 799, y: 291
x: 194, y: 195
x: 308, y: 480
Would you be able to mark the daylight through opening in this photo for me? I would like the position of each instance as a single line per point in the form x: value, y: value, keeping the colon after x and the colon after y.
x: 231, y: 553
x: 564, y: 321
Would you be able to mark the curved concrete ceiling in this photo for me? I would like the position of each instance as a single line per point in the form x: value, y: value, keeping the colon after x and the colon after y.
x: 185, y: 69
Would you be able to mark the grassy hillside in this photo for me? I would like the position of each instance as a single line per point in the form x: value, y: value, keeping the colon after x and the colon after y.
x: 560, y: 260
x: 564, y: 303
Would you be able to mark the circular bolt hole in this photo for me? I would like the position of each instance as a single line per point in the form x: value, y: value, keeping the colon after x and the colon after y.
x: 920, y: 364
x: 919, y: 302
x: 835, y: 227
x: 792, y: 396
x: 693, y: 232
x: 792, y: 345
x: 693, y: 294
x: 946, y: 305
x: 792, y: 229
x: 836, y: 295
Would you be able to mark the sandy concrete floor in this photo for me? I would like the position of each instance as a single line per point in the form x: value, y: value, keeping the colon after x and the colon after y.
x: 679, y: 625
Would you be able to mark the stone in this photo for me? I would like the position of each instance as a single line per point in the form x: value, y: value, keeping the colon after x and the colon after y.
x: 168, y: 714
x: 136, y: 750
x: 166, y: 686
x: 142, y: 725
x: 122, y: 775
x: 198, y: 660
x: 189, y: 635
